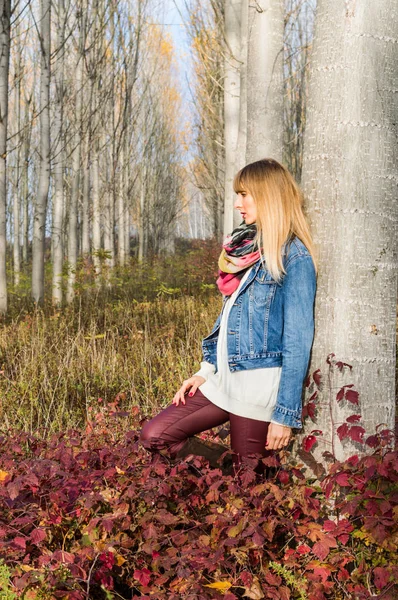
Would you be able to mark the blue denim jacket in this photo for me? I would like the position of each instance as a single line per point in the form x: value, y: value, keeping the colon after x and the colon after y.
x: 272, y: 324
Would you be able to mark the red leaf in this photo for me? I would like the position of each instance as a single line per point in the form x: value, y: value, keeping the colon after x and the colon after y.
x: 37, y: 536
x: 143, y: 576
x: 381, y: 577
x: 64, y: 557
x: 13, y: 489
x: 20, y: 542
x: 342, y: 479
x: 372, y: 441
x: 356, y: 433
x: 308, y: 442
x: 352, y: 396
x: 303, y: 549
x: 353, y: 419
x: 340, y: 394
x: 283, y: 477
x: 316, y: 376
x: 272, y: 578
x: 342, y: 431
x: 311, y: 409
x: 321, y: 549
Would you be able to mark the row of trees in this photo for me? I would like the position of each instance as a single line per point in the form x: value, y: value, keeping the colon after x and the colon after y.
x: 329, y: 112
x: 251, y: 67
x: 90, y: 142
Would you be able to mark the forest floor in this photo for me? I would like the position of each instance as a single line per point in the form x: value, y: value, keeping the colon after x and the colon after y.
x: 85, y: 512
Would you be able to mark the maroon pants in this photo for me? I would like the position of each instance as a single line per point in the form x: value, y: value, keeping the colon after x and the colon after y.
x: 175, y: 424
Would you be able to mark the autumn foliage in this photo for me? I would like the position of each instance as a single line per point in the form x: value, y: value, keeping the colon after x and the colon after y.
x: 90, y: 514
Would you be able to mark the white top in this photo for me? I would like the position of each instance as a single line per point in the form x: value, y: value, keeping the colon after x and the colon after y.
x: 251, y: 393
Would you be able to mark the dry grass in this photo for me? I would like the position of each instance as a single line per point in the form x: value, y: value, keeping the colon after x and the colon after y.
x: 54, y: 368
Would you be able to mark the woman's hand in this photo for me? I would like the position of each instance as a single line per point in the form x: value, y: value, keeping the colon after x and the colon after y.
x: 278, y: 436
x: 193, y: 383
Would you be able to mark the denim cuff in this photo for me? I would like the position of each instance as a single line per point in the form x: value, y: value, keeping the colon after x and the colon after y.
x: 287, y: 416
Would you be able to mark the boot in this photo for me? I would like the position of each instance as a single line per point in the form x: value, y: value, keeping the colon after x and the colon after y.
x: 209, y: 450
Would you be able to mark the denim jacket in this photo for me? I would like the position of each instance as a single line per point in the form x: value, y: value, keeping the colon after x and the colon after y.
x: 272, y: 324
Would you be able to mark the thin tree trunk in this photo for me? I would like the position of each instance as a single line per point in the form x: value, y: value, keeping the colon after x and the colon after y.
x: 5, y: 16
x: 86, y: 199
x: 17, y: 186
x: 96, y: 211
x: 141, y: 224
x: 265, y: 80
x: 58, y: 210
x: 350, y: 180
x: 75, y: 191
x: 25, y: 180
x: 231, y: 104
x: 40, y: 207
x: 242, y: 130
x: 121, y: 211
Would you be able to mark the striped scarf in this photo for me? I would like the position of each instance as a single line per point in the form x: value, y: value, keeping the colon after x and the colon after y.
x: 238, y: 254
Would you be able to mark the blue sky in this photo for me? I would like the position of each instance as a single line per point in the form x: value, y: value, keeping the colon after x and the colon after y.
x: 173, y: 23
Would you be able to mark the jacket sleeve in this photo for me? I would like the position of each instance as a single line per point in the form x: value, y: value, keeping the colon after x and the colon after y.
x: 299, y: 287
x: 205, y: 370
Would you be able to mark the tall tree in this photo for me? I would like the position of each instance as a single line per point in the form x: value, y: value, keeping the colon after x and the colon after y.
x: 58, y: 203
x: 265, y: 80
x: 5, y: 18
x: 350, y: 179
x: 232, y: 17
x: 76, y: 155
x: 40, y: 204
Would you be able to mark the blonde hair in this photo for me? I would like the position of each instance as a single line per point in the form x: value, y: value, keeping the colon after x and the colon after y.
x: 280, y: 215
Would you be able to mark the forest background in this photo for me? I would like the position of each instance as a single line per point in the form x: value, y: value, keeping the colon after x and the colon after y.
x: 114, y: 200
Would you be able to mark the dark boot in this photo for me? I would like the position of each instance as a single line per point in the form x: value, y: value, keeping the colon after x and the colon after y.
x: 209, y: 450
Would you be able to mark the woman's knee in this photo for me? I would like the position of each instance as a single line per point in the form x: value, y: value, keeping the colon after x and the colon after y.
x: 151, y: 435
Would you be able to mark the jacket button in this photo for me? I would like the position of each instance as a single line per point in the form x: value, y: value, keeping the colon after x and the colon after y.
x: 231, y: 331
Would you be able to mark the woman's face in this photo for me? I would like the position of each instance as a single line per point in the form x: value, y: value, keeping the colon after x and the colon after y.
x: 245, y: 204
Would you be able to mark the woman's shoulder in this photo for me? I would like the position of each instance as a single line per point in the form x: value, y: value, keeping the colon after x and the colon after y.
x: 293, y: 249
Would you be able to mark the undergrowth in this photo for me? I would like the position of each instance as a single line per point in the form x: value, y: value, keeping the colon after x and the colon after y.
x: 91, y: 514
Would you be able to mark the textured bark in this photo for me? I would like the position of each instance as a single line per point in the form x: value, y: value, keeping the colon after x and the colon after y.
x: 240, y: 158
x: 58, y: 204
x: 5, y: 15
x: 265, y: 80
x: 75, y: 191
x: 17, y: 184
x: 231, y: 104
x: 27, y: 134
x: 121, y: 239
x: 85, y: 214
x: 350, y: 180
x: 40, y: 205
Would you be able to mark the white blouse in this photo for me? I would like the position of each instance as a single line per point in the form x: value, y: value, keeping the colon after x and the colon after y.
x: 251, y: 393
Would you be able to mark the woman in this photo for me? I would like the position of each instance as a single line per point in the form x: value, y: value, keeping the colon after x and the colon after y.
x: 257, y: 354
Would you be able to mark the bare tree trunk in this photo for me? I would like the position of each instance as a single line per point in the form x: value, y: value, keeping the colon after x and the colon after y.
x: 141, y: 226
x: 350, y: 179
x: 17, y: 186
x: 265, y: 80
x: 58, y: 210
x: 25, y: 179
x: 86, y: 199
x: 121, y: 249
x: 240, y: 158
x: 231, y: 104
x: 5, y: 16
x: 40, y: 207
x: 75, y: 191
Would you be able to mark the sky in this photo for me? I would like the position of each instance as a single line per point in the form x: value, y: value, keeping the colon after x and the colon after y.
x: 172, y: 14
x: 173, y: 23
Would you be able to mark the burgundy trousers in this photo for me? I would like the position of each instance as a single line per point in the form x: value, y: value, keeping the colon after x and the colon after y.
x: 171, y: 428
